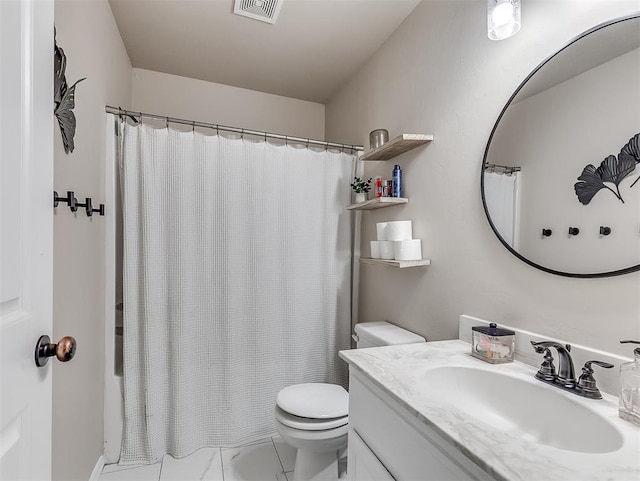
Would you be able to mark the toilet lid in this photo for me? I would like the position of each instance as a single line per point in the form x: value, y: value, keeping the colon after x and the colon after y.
x: 314, y: 400
x: 307, y: 424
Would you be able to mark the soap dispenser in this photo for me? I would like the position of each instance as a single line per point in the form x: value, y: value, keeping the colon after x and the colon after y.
x: 629, y: 407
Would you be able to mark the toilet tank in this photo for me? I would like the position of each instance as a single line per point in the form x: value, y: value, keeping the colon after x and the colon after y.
x: 382, y: 333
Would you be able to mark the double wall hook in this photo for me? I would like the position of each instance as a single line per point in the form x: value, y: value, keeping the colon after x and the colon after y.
x: 70, y: 200
x: 89, y: 207
x: 604, y: 230
x: 547, y: 232
x: 574, y: 231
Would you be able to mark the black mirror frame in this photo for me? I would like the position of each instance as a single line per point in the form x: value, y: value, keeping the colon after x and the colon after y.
x: 486, y: 153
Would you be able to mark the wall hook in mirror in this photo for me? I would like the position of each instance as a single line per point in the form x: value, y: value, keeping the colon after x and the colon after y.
x: 70, y: 200
x: 546, y: 232
x: 605, y: 230
x: 574, y: 231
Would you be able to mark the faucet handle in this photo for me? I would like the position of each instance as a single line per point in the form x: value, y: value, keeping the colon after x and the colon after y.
x: 547, y: 371
x: 586, y: 383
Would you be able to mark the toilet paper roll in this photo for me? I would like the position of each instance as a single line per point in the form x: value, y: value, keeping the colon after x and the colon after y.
x: 381, y: 231
x: 375, y: 250
x: 407, y: 250
x: 399, y: 230
x: 386, y: 250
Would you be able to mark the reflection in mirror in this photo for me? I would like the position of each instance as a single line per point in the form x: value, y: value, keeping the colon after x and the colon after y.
x: 579, y: 107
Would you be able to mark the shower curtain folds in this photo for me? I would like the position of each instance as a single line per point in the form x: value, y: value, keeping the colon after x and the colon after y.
x: 237, y: 272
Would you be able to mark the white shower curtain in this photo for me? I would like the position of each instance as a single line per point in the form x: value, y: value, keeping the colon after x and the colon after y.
x: 501, y: 193
x: 237, y: 268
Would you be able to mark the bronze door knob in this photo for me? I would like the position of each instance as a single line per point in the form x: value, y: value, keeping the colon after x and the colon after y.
x: 64, y: 350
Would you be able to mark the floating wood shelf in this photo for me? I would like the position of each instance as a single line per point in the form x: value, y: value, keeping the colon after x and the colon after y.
x: 396, y: 146
x: 392, y: 263
x: 378, y: 203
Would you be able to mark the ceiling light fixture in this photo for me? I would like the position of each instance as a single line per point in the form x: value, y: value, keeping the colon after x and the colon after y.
x: 503, y: 18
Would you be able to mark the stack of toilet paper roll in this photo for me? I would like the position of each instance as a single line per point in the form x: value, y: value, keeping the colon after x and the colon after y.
x: 395, y: 241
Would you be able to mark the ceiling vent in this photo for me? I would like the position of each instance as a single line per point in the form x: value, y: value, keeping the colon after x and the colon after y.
x: 263, y: 10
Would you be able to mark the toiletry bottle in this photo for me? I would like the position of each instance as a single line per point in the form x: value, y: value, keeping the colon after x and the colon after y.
x: 387, y: 187
x: 629, y: 407
x: 397, y: 181
x: 378, y: 185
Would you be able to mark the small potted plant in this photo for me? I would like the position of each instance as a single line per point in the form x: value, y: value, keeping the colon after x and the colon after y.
x: 361, y: 187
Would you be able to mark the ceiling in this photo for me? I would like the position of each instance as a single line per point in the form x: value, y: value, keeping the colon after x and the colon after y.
x: 313, y: 48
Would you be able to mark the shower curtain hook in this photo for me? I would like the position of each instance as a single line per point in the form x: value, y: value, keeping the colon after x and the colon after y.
x: 217, y: 129
x: 166, y: 122
x: 141, y: 123
x: 242, y: 135
x: 307, y: 143
x: 286, y: 141
x: 193, y: 127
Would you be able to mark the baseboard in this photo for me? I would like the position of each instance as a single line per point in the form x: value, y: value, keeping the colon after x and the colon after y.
x: 97, y: 470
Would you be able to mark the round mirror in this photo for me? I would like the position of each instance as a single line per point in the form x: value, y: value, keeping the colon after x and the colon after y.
x: 560, y: 177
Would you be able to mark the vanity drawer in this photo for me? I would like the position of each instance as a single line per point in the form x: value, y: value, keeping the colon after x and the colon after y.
x: 407, y: 447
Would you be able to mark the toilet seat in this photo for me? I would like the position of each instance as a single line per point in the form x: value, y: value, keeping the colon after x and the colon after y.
x: 313, y: 418
x: 309, y: 424
x: 314, y: 401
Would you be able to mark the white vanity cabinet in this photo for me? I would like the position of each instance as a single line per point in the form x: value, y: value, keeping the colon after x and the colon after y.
x: 362, y: 463
x: 388, y: 442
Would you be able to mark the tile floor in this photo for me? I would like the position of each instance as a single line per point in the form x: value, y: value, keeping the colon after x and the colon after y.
x: 271, y: 459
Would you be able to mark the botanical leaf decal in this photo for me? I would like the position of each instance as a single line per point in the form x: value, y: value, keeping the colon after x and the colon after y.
x: 612, y: 170
x: 66, y: 119
x: 63, y: 98
x: 590, y: 184
x: 59, y: 80
x: 632, y: 148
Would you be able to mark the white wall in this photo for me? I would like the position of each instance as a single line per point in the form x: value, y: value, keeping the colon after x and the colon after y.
x: 88, y: 34
x: 569, y: 134
x: 439, y: 73
x: 191, y: 99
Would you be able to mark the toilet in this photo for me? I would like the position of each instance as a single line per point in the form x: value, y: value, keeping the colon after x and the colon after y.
x: 314, y: 417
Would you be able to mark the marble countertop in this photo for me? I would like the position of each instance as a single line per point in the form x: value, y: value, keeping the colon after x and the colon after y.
x: 505, y: 455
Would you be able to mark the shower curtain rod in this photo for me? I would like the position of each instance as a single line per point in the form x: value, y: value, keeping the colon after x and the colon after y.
x: 501, y: 169
x: 225, y: 128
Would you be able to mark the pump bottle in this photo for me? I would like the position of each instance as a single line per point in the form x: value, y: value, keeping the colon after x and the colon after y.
x: 629, y: 407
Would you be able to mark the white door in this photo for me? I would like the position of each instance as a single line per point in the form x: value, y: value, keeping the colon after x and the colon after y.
x: 26, y: 235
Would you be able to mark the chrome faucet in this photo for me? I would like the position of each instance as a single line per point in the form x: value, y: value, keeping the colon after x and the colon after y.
x: 565, y: 377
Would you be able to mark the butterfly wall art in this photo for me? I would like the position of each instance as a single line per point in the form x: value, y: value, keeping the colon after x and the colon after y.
x: 64, y: 99
x: 613, y: 170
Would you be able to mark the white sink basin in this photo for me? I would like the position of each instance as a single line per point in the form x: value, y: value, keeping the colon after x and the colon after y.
x: 527, y: 407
